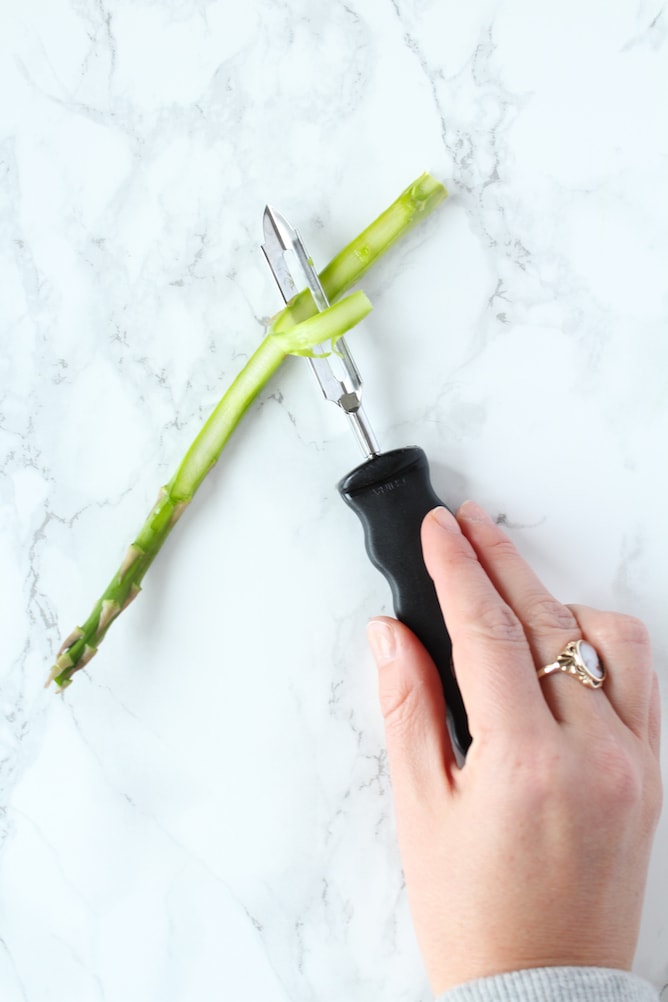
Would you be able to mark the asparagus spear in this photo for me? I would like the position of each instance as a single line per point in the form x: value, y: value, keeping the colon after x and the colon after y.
x: 294, y: 331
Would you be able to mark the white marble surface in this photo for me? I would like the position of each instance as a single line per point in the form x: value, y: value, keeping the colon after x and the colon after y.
x: 207, y: 813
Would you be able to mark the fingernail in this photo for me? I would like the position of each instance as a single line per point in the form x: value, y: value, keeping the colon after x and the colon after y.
x: 472, y: 512
x: 445, y: 519
x: 381, y: 640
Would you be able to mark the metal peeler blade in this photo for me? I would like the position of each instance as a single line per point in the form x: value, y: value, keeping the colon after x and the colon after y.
x: 334, y: 368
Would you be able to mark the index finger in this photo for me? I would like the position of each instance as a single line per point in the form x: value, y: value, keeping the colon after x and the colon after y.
x: 491, y: 655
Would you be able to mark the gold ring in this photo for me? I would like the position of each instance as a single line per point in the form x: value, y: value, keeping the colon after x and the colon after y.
x: 580, y: 659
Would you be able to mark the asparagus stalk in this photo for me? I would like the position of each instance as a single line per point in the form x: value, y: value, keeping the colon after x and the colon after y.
x: 82, y: 644
x: 296, y: 330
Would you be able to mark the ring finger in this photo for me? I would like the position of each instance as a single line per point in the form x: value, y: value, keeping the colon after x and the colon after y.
x: 548, y: 624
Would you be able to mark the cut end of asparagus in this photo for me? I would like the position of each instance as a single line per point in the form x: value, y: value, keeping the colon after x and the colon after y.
x: 426, y: 193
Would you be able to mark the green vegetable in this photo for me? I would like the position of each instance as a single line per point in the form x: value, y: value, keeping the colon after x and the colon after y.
x: 296, y: 330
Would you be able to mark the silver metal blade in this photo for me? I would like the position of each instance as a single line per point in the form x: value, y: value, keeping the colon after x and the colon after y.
x: 333, y: 366
x: 274, y: 249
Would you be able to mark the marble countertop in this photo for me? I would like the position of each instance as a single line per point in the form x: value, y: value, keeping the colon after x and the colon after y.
x: 206, y: 813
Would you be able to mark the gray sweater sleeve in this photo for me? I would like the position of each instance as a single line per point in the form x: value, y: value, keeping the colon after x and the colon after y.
x: 555, y: 984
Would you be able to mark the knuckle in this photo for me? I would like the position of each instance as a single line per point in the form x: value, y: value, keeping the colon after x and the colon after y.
x: 624, y: 640
x: 398, y: 702
x: 503, y: 548
x: 459, y: 551
x: 622, y: 778
x: 627, y: 630
x: 497, y: 622
x: 402, y: 725
x: 625, y: 783
x: 546, y: 613
x: 622, y: 781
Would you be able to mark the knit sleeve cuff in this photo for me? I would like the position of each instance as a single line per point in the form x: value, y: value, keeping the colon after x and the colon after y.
x: 555, y: 984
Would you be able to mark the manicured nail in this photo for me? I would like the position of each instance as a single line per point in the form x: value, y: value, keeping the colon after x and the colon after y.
x: 445, y: 519
x: 381, y: 640
x: 472, y: 512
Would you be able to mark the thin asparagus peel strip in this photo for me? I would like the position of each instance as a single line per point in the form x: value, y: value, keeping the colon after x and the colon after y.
x: 296, y: 330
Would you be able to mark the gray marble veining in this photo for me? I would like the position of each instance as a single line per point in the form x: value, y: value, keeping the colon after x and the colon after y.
x: 207, y: 811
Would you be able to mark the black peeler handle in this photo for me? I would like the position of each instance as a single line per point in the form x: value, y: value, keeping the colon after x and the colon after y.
x: 391, y: 494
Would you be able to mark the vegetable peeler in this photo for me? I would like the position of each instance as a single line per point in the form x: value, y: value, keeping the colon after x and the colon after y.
x: 390, y: 492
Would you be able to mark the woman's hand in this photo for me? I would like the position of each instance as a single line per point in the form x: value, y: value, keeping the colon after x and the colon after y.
x: 535, y: 852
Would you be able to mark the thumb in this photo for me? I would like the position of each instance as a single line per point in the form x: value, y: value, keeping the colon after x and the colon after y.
x: 419, y: 751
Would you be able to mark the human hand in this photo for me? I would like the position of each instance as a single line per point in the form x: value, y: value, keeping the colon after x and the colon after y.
x: 535, y: 852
